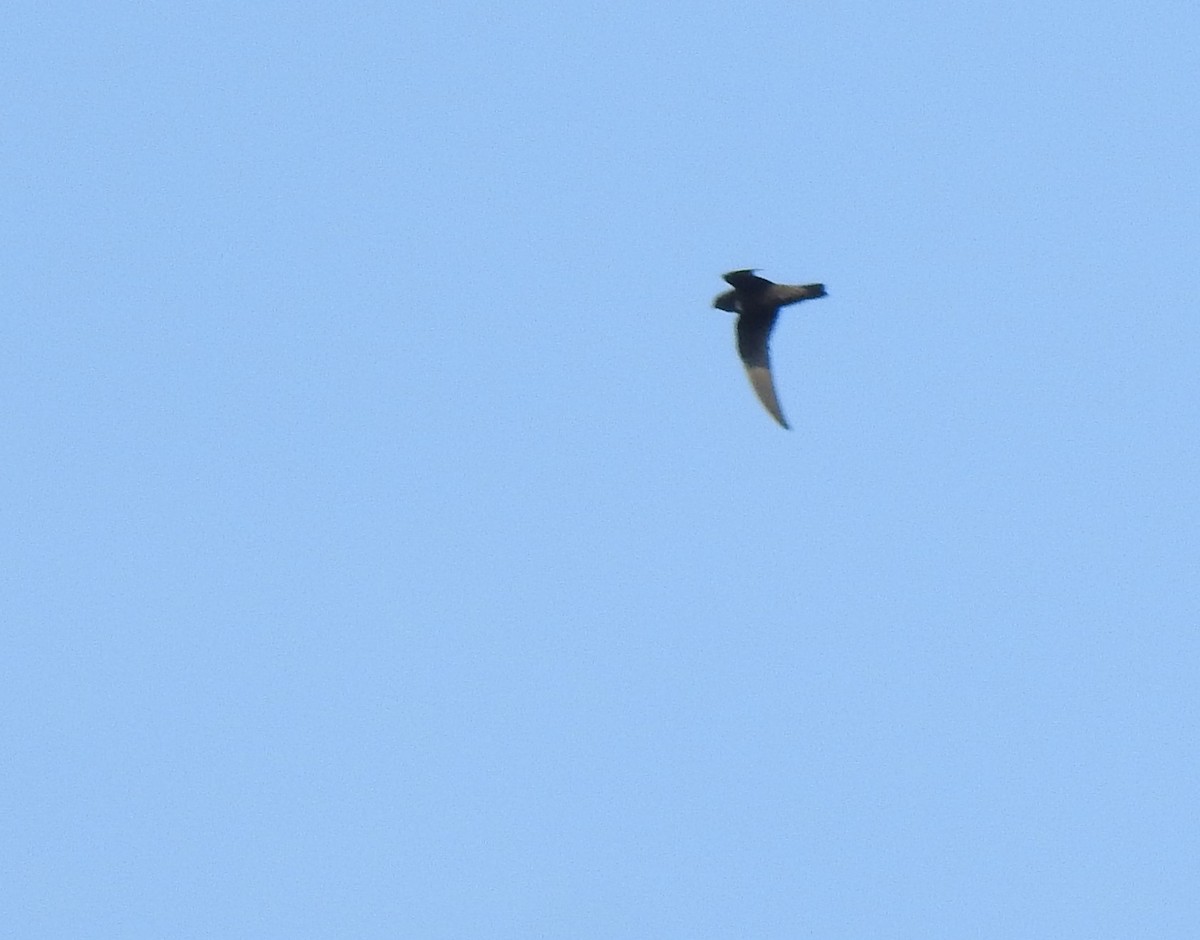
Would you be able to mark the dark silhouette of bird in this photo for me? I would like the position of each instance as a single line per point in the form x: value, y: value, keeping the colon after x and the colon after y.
x: 756, y: 301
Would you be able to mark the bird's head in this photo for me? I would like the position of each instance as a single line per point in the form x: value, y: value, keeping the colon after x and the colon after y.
x: 727, y: 301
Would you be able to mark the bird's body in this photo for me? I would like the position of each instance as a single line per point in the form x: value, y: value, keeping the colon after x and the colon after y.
x: 757, y: 301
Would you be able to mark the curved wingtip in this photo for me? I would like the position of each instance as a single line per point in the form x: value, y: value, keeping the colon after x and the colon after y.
x: 764, y: 388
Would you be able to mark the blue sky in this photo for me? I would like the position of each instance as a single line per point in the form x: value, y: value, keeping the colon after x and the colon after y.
x: 394, y: 546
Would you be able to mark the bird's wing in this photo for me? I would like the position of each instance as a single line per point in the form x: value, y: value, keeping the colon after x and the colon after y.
x: 791, y: 293
x: 753, y: 333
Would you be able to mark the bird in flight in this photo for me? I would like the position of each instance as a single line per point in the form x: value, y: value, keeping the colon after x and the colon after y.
x: 756, y: 301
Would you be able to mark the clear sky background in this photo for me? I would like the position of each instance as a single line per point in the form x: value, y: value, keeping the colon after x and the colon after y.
x: 393, y: 546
